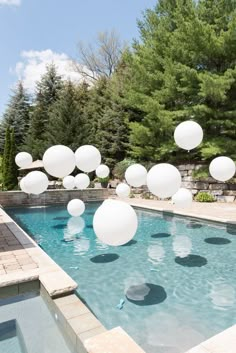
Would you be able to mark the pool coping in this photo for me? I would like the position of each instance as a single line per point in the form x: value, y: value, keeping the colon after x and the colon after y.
x: 181, y: 213
x: 85, y: 332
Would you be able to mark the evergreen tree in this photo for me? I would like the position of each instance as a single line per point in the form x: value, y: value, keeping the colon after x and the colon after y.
x: 99, y: 99
x: 6, y: 156
x: 9, y: 167
x: 16, y: 116
x: 113, y: 134
x: 47, y: 92
x: 13, y: 170
x: 184, y: 68
x: 66, y: 119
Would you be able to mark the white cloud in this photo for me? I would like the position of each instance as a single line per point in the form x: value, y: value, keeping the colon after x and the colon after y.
x: 33, y: 66
x: 10, y: 2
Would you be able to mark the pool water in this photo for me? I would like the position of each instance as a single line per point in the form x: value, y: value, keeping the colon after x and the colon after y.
x: 27, y: 326
x: 175, y: 281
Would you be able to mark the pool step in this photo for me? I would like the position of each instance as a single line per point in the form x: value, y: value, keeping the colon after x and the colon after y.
x: 224, y: 342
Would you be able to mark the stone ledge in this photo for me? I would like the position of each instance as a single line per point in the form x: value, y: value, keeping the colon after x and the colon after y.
x: 57, y: 283
x: 113, y: 341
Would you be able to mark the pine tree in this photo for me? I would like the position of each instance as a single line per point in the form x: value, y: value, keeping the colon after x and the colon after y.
x: 13, y: 170
x: 99, y: 99
x: 66, y: 119
x: 47, y: 92
x: 16, y: 116
x: 6, y: 157
x: 184, y: 68
x: 10, y: 171
x: 113, y: 132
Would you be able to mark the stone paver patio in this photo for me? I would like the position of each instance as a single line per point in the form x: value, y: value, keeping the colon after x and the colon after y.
x: 220, y: 212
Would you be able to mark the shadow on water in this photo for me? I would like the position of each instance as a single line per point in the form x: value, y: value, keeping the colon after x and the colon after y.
x: 194, y: 225
x: 231, y: 228
x: 59, y: 226
x: 90, y: 226
x: 62, y: 218
x: 146, y: 294
x: 160, y: 235
x: 168, y: 215
x: 104, y: 258
x: 217, y: 241
x: 191, y: 261
x: 130, y: 243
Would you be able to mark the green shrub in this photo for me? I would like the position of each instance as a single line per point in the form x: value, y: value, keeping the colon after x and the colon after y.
x: 120, y: 168
x: 201, y: 174
x: 204, y: 197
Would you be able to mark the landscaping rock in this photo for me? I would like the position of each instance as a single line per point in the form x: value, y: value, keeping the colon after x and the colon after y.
x: 225, y: 198
x: 201, y: 185
x: 218, y: 187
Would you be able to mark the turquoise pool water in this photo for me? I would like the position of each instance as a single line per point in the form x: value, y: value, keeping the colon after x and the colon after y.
x: 177, y: 277
x: 27, y: 326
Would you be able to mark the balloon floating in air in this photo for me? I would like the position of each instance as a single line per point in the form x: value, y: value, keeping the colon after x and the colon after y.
x: 115, y: 222
x: 23, y: 159
x: 59, y: 161
x: 188, y: 135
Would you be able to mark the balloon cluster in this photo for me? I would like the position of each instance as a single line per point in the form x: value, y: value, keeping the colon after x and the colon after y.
x: 60, y: 161
x: 115, y: 222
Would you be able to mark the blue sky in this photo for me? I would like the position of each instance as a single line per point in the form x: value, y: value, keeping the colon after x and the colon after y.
x: 34, y: 31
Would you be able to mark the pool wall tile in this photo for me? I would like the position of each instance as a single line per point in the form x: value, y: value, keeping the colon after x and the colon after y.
x: 8, y: 291
x: 28, y: 287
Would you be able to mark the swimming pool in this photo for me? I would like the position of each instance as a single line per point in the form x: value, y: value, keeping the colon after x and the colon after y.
x: 177, y: 276
x: 27, y: 326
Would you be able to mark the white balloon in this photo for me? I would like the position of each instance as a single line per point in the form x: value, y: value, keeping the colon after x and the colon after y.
x: 23, y: 159
x: 188, y: 135
x: 36, y: 182
x: 163, y: 180
x: 82, y: 181
x: 222, y: 168
x: 88, y: 158
x: 183, y: 198
x: 136, y: 175
x: 115, y: 222
x: 123, y: 190
x: 102, y: 171
x: 69, y: 182
x: 22, y: 185
x: 76, y: 207
x: 59, y: 161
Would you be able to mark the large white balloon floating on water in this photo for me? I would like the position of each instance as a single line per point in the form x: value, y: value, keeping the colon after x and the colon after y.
x: 115, y: 222
x: 123, y: 190
x: 88, y: 158
x: 188, y: 135
x: 136, y: 175
x: 69, y: 182
x: 76, y: 207
x: 102, y: 171
x: 35, y: 182
x: 23, y: 159
x: 183, y: 198
x: 59, y: 161
x: 82, y: 181
x: 22, y: 185
x: 163, y: 180
x: 222, y: 168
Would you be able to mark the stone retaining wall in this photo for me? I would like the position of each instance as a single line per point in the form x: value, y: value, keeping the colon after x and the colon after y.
x: 51, y: 197
x: 224, y: 192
